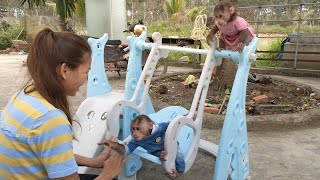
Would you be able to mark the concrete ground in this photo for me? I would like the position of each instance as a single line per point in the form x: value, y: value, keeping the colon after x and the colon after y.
x: 280, y: 155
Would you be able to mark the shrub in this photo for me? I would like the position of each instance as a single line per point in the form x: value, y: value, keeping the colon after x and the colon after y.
x: 274, y: 46
x: 8, y: 33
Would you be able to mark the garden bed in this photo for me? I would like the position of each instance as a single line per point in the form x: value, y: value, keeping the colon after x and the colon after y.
x: 283, y: 97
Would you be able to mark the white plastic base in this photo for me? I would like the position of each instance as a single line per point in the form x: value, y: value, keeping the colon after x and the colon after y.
x: 209, y: 147
x: 91, y: 126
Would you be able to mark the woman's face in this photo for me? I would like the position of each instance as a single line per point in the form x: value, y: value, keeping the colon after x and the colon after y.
x: 74, y: 78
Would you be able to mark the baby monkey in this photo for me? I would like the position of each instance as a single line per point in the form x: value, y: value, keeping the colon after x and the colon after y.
x: 235, y: 31
x: 149, y: 136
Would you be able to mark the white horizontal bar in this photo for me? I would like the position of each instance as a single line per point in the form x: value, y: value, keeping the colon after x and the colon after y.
x: 223, y: 54
x: 182, y: 49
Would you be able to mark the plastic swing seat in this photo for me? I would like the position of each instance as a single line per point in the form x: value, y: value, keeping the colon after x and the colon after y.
x: 164, y: 115
x: 183, y: 128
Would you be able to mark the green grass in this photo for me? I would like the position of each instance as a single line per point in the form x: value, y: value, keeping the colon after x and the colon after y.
x: 271, y: 45
x: 170, y: 29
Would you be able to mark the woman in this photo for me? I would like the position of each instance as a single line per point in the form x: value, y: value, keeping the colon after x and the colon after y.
x: 35, y: 126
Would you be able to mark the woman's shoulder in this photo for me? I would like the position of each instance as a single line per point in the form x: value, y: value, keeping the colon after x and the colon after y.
x: 38, y: 109
x: 27, y: 114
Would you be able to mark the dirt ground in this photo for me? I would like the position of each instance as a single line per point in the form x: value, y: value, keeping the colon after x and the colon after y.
x: 278, y: 155
x: 283, y: 97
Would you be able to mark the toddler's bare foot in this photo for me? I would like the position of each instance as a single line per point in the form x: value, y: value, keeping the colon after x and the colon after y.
x: 173, y: 175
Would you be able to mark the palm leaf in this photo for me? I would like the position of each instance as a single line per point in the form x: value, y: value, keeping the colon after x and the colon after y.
x: 70, y: 7
x: 173, y: 6
x: 31, y: 3
x: 61, y: 9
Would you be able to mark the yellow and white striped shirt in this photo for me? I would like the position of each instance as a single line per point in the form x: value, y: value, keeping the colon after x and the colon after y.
x: 35, y: 139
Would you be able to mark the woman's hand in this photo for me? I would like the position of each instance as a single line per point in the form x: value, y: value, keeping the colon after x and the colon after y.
x: 113, y: 166
x: 98, y: 161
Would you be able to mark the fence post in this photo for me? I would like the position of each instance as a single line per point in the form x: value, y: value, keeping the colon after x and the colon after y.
x: 258, y: 21
x: 298, y: 39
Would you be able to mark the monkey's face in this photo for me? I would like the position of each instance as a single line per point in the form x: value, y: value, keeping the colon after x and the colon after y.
x: 141, y: 130
x: 223, y: 17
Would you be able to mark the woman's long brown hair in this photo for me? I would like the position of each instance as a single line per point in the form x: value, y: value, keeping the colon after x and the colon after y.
x: 49, y: 50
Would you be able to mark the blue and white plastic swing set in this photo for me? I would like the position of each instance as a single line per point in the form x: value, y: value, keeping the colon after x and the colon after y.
x: 106, y: 113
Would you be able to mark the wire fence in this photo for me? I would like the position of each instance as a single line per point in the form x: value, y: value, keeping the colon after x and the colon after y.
x: 301, y: 50
x: 296, y: 26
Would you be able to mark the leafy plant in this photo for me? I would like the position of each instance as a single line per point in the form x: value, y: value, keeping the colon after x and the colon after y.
x: 4, y: 26
x: 274, y: 46
x: 81, y: 9
x: 65, y: 9
x: 173, y: 6
x: 194, y: 12
x: 8, y: 33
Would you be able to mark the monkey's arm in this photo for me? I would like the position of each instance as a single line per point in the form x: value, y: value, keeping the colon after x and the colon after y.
x: 212, y: 33
x: 120, y: 148
x: 243, y: 36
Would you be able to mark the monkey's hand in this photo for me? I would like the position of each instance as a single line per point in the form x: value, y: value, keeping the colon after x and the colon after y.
x: 210, y: 38
x: 173, y: 175
x: 219, y: 49
x: 163, y: 155
x: 240, y: 46
x: 114, y: 146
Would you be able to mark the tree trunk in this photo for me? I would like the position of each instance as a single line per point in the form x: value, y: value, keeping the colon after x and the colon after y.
x: 63, y: 24
x: 61, y: 11
x: 226, y: 73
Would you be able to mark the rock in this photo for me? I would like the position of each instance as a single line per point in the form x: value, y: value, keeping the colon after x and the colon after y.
x: 305, y: 90
x: 13, y: 53
x: 176, y: 78
x: 162, y: 89
x: 251, y: 78
x: 265, y: 80
x: 212, y: 100
x: 21, y: 52
x: 184, y: 59
x: 253, y: 110
x: 211, y: 110
x: 272, y: 102
x: 8, y: 50
x: 184, y: 85
x: 261, y: 99
x: 227, y: 92
x: 312, y: 94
